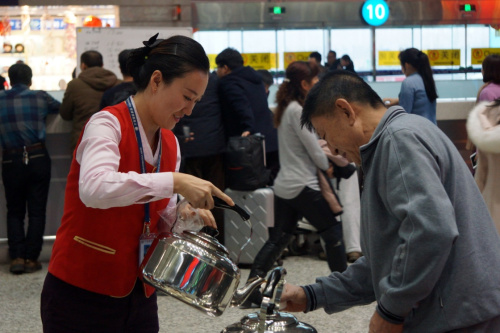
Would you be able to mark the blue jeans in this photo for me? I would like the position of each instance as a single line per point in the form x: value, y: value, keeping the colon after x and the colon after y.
x: 26, y: 187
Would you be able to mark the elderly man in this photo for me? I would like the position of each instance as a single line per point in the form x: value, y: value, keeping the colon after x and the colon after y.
x: 431, y: 250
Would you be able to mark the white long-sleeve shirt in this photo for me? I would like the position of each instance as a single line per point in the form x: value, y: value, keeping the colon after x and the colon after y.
x: 100, y: 183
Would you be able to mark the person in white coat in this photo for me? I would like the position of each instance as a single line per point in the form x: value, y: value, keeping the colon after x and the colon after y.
x: 483, y: 129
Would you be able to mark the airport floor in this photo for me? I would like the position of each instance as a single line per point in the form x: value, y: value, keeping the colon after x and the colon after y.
x: 20, y: 303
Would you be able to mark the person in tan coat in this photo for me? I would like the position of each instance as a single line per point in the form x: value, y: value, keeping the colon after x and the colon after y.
x: 483, y: 128
x: 83, y: 94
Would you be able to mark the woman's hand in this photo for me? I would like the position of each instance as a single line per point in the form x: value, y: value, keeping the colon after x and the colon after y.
x: 391, y: 101
x: 197, y: 191
x: 207, y: 217
x: 294, y: 298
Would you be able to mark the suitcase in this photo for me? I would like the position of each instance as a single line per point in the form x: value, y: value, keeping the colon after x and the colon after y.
x: 260, y: 205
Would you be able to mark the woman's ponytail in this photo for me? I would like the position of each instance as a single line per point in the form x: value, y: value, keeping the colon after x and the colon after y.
x: 420, y: 61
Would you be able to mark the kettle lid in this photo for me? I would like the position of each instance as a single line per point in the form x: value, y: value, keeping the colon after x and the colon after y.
x: 206, y: 241
x: 276, y: 322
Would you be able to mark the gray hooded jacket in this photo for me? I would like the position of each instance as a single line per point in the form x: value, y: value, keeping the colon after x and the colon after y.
x: 431, y: 249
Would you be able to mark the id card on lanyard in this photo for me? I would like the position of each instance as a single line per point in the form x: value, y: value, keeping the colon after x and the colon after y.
x: 147, y: 237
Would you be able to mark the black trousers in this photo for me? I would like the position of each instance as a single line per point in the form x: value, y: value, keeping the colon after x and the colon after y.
x: 310, y: 204
x: 26, y: 188
x: 66, y: 308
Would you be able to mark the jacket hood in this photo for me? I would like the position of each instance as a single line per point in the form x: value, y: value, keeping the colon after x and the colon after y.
x: 98, y: 78
x: 483, y: 127
x: 247, y: 73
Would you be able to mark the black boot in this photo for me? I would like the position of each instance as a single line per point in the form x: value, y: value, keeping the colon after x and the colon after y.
x: 334, y: 248
x: 262, y: 263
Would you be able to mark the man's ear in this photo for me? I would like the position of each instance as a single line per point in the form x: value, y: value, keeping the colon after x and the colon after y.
x: 83, y: 67
x: 346, y: 110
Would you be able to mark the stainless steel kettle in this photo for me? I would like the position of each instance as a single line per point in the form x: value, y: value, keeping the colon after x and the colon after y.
x: 269, y: 319
x: 195, y: 268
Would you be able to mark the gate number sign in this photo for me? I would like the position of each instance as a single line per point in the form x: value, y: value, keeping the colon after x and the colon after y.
x: 375, y: 12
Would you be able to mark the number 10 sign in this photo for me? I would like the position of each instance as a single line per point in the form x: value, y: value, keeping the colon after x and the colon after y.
x: 375, y: 12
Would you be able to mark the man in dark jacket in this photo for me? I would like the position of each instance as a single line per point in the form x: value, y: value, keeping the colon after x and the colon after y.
x: 202, y: 143
x: 244, y: 104
x: 83, y: 94
x: 122, y: 91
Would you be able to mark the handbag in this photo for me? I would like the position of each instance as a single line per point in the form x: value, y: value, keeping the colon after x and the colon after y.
x: 245, y: 160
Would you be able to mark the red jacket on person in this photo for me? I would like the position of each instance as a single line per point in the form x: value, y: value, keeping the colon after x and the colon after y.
x: 98, y: 249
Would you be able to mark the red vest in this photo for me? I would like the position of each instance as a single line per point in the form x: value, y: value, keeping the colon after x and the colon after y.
x: 98, y: 249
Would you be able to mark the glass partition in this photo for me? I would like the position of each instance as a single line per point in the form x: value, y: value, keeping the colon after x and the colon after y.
x: 358, y: 44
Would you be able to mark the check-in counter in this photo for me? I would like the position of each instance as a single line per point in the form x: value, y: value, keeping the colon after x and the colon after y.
x: 451, y: 115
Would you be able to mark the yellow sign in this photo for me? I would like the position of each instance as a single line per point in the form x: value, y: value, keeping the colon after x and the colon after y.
x: 436, y: 57
x: 296, y: 56
x: 260, y: 60
x: 255, y: 60
x: 443, y: 57
x: 211, y: 58
x: 388, y: 58
x: 478, y: 55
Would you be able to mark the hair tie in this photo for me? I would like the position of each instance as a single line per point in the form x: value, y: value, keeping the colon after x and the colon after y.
x: 152, y: 42
x: 286, y: 80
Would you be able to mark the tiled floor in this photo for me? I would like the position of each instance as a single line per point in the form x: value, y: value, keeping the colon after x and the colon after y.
x: 20, y: 302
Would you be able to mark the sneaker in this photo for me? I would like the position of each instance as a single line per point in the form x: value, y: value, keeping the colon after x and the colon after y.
x: 31, y: 266
x: 17, y: 266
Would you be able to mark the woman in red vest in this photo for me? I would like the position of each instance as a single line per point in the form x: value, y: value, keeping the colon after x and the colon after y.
x: 124, y: 171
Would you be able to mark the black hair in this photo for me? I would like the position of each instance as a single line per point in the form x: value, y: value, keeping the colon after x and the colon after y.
x: 229, y: 57
x: 91, y: 58
x: 173, y: 57
x: 334, y: 53
x: 350, y: 65
x: 420, y: 62
x: 122, y: 60
x: 316, y: 55
x: 20, y: 74
x: 291, y: 88
x: 2, y: 83
x: 337, y: 84
x: 267, y: 77
x: 491, y: 68
x: 346, y: 57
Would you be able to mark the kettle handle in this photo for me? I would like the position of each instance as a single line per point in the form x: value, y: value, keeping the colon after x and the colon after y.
x: 219, y: 203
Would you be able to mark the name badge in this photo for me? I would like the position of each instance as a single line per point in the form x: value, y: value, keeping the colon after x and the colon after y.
x: 145, y: 242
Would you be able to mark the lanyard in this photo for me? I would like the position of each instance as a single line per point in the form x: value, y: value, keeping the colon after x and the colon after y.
x: 147, y: 219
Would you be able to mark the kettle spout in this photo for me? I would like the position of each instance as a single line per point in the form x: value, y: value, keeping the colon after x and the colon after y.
x: 241, y: 294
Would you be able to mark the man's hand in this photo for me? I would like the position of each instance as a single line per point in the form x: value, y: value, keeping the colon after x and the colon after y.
x: 380, y: 325
x: 246, y: 133
x: 294, y: 298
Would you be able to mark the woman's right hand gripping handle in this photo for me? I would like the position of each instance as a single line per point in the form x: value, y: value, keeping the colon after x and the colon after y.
x: 197, y: 191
